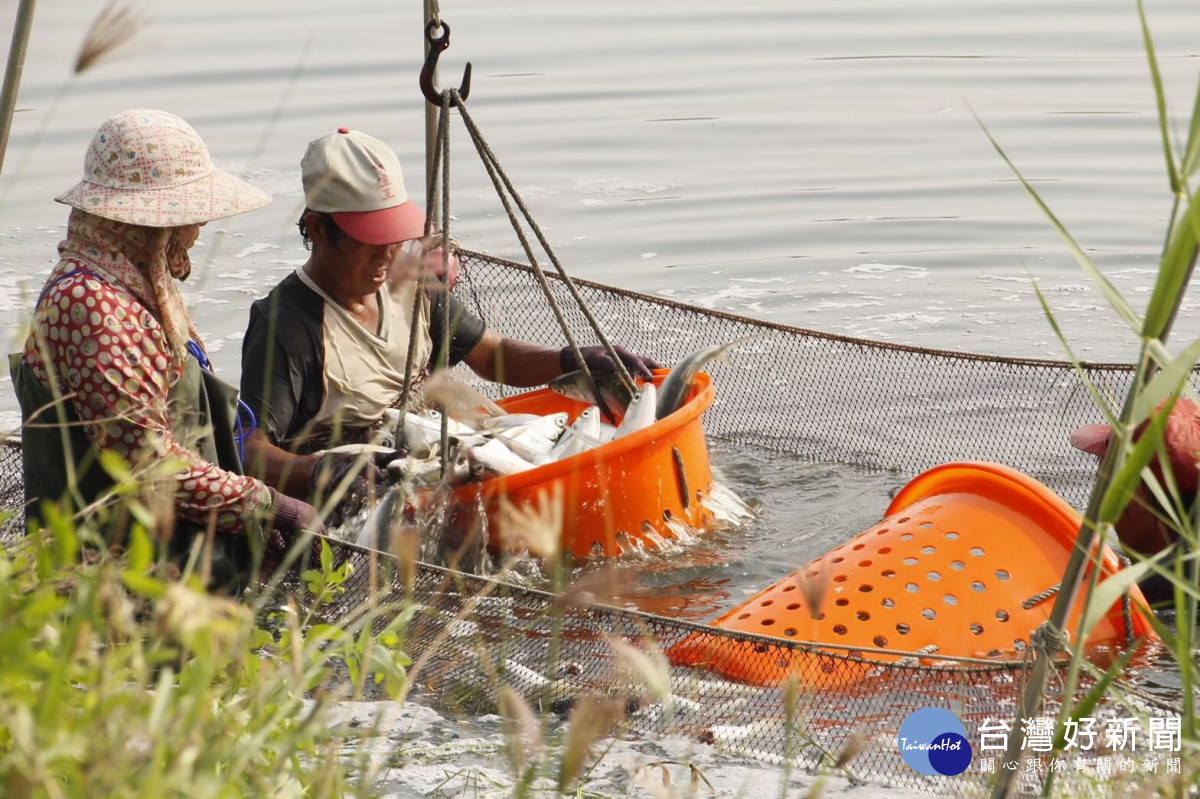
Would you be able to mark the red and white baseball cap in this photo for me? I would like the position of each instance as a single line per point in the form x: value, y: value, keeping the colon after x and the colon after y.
x: 357, y: 180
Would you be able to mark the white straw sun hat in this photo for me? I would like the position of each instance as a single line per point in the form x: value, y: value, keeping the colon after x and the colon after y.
x: 148, y: 167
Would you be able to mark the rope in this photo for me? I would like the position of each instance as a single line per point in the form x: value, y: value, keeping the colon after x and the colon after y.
x: 497, y: 174
x: 443, y: 355
x: 414, y: 327
x: 1039, y: 598
x: 1048, y: 639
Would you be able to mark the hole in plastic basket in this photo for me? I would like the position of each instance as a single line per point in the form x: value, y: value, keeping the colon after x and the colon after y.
x: 1002, y: 614
x: 789, y: 588
x: 951, y: 536
x: 957, y: 565
x: 950, y: 599
x: 925, y: 525
x: 794, y: 606
x: 819, y: 616
x: 858, y: 546
x: 888, y: 602
x: 1001, y: 574
x: 862, y: 615
x: 977, y: 587
x: 666, y: 514
x: 977, y: 551
x: 977, y: 628
x: 767, y: 622
x: 881, y: 531
x: 837, y: 560
x: 927, y: 550
x: 879, y: 641
x: 902, y: 520
x: 744, y: 616
x: 933, y: 576
x: 841, y: 578
x: 1019, y: 645
x: 889, y: 573
x: 790, y: 631
x: 909, y: 561
x: 929, y: 614
x: 766, y: 602
x: 902, y: 628
x: 839, y: 629
x: 866, y: 589
x: 884, y: 550
x: 843, y: 602
x: 905, y: 536
x: 912, y: 588
x: 864, y: 563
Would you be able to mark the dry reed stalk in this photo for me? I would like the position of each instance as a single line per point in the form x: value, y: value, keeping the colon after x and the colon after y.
x: 115, y: 25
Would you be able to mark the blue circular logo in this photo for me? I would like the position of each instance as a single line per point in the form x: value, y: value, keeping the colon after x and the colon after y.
x: 933, y: 741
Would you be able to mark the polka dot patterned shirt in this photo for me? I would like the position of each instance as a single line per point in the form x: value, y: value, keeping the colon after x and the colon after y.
x: 112, y: 355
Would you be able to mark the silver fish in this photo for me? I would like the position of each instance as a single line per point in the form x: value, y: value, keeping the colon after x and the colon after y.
x: 543, y: 427
x: 674, y: 388
x: 613, y: 393
x: 496, y: 458
x: 422, y: 431
x: 641, y: 412
x: 529, y: 438
x: 387, y: 513
x: 507, y: 421
x: 582, y: 435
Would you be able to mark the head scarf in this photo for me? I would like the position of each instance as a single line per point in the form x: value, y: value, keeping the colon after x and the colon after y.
x: 145, y: 261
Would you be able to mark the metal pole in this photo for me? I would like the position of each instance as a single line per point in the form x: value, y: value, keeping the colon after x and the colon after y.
x: 432, y: 114
x: 12, y: 72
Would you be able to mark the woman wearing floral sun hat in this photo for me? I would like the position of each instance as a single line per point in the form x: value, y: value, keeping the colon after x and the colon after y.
x: 106, y: 366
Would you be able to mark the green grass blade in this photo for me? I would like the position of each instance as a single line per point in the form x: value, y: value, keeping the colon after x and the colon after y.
x: 1175, y: 271
x: 1160, y: 100
x: 1191, y: 155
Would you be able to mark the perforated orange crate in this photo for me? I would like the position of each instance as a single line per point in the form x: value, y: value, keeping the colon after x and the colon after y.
x: 619, y: 495
x: 960, y: 566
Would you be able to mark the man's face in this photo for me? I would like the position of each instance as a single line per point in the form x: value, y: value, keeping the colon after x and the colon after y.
x: 360, y: 269
x: 365, y: 267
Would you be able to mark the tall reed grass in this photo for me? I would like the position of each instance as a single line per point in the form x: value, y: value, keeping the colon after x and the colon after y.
x: 1163, y: 375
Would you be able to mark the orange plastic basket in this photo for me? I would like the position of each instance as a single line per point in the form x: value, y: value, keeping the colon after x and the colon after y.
x: 959, y: 566
x: 618, y: 495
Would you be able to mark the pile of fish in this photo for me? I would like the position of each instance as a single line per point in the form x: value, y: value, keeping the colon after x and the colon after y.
x: 493, y: 443
x: 505, y: 444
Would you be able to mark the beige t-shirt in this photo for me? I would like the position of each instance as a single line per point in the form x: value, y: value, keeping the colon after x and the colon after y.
x: 363, y: 366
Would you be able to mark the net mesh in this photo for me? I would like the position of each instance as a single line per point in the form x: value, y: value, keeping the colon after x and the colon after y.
x: 818, y: 396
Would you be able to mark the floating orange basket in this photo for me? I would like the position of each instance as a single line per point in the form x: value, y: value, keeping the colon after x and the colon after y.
x: 622, y: 494
x: 963, y: 564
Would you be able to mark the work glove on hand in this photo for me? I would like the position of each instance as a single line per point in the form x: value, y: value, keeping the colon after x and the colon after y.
x: 598, y: 360
x: 330, y: 471
x: 294, y: 515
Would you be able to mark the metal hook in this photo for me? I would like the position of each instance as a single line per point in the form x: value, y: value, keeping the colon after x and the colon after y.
x: 436, y: 45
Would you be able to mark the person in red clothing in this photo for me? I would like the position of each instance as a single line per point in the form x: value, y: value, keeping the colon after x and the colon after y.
x: 1142, y: 527
x: 113, y: 363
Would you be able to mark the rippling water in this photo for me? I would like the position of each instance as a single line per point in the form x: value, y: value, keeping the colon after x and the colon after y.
x: 820, y: 164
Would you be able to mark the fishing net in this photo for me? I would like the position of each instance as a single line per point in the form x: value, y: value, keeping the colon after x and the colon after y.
x: 817, y: 396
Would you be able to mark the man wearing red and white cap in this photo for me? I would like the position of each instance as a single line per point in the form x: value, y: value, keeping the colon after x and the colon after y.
x: 325, y: 353
x: 1141, y: 527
